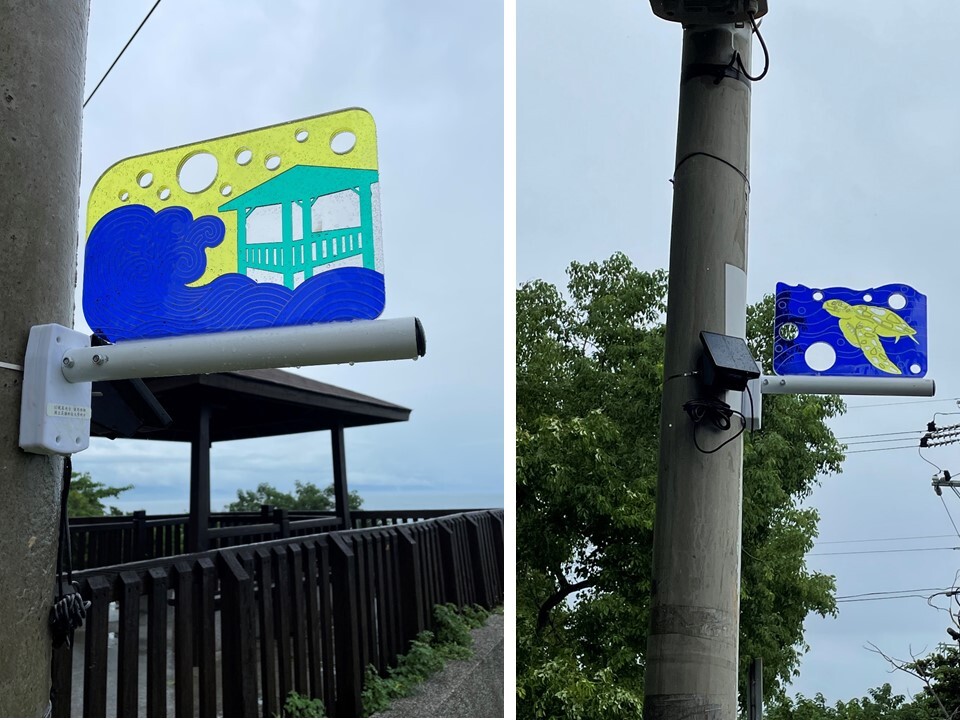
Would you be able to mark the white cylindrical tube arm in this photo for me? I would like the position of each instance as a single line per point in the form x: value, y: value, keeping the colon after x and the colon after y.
x: 320, y: 344
x: 834, y: 385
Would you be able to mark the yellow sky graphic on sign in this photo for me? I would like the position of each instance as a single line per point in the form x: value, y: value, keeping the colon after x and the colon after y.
x: 239, y: 163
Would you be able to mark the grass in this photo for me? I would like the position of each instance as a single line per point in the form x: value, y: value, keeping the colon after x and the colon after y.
x: 428, y: 653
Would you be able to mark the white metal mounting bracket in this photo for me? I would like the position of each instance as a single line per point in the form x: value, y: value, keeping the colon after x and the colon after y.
x: 60, y: 366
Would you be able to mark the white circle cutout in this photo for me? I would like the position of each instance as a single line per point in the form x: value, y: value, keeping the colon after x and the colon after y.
x: 820, y: 356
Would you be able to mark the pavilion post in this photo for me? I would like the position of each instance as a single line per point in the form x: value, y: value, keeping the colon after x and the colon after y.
x: 341, y: 493
x: 198, y: 527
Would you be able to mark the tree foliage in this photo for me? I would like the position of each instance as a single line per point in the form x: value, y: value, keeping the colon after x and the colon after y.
x: 940, y: 673
x: 879, y: 704
x: 589, y: 378
x: 85, y: 498
x: 939, y: 698
x: 306, y: 496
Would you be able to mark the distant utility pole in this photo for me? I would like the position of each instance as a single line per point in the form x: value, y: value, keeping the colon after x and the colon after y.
x: 41, y: 92
x: 691, y: 660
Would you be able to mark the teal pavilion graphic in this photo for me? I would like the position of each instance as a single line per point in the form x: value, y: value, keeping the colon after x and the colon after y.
x: 881, y: 331
x: 285, y: 230
x: 299, y: 246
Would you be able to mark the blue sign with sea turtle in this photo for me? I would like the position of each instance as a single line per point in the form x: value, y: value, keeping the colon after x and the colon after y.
x: 879, y: 332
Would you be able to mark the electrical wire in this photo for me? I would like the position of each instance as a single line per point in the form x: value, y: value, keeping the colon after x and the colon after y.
x: 876, y: 552
x: 903, y: 432
x: 117, y: 59
x: 718, y: 414
x: 874, y: 442
x: 686, y: 157
x: 876, y: 599
x: 949, y: 515
x: 898, y: 447
x: 909, y: 402
x: 929, y: 462
x: 890, y: 592
x: 766, y: 55
x: 867, y: 540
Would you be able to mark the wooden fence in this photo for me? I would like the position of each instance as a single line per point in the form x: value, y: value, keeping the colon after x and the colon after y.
x: 116, y: 540
x: 232, y: 631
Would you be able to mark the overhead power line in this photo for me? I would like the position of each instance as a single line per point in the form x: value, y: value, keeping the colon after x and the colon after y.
x: 903, y: 432
x: 873, y: 552
x: 909, y: 402
x: 116, y: 59
x: 891, y: 592
x: 885, y: 440
x: 949, y: 515
x: 876, y: 599
x: 868, y: 540
x: 898, y: 447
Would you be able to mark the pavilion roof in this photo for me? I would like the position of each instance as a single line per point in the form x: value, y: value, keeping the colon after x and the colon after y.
x: 245, y: 404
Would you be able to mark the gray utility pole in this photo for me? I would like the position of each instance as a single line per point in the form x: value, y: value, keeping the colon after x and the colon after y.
x: 42, y: 56
x: 691, y: 661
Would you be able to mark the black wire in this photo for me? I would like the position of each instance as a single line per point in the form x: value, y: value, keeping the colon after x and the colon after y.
x: 909, y: 402
x: 69, y: 610
x: 875, y: 442
x: 875, y: 599
x: 686, y: 157
x: 904, y: 432
x: 939, y: 469
x: 870, y: 540
x: 766, y: 55
x: 898, y: 447
x: 875, y: 552
x: 64, y: 541
x: 949, y: 515
x: 144, y: 22
x: 718, y: 414
x: 888, y: 592
x: 752, y: 412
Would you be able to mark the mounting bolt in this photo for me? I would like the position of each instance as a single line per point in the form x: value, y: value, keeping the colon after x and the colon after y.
x: 99, y: 359
x: 68, y: 362
x: 783, y: 382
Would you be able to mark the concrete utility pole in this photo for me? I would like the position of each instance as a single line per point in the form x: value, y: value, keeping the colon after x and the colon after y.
x: 691, y: 656
x: 42, y: 59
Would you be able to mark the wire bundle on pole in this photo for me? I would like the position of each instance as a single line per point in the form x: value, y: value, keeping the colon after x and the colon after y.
x: 718, y: 414
x: 70, y: 609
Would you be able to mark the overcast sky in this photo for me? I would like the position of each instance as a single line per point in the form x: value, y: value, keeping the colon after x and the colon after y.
x: 431, y: 74
x: 854, y: 183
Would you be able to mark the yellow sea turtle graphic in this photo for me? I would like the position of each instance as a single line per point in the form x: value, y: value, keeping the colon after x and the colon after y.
x: 864, y: 325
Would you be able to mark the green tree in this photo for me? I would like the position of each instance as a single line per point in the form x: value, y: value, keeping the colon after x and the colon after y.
x: 306, y: 496
x: 85, y: 498
x: 940, y: 673
x: 878, y: 704
x: 589, y: 378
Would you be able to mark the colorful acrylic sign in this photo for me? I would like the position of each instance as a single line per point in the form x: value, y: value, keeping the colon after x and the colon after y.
x: 838, y: 331
x: 271, y: 227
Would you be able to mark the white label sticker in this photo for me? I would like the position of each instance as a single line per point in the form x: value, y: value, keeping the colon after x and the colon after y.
x: 68, y: 411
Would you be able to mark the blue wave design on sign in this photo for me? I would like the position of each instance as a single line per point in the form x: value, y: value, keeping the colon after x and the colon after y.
x: 803, y: 307
x: 139, y: 263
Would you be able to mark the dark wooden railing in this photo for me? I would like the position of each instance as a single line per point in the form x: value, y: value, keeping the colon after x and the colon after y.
x: 116, y: 540
x: 232, y: 631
